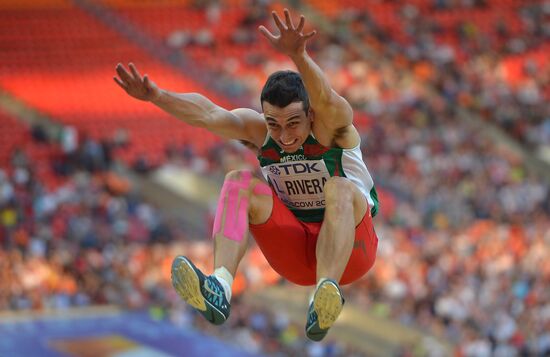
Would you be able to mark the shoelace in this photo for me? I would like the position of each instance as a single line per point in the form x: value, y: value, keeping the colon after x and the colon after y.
x: 214, y: 292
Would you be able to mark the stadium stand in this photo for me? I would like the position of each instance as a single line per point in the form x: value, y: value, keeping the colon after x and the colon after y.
x: 50, y: 51
x: 464, y: 253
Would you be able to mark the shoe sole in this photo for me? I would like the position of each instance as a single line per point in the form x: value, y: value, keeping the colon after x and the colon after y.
x: 327, y: 304
x: 187, y: 284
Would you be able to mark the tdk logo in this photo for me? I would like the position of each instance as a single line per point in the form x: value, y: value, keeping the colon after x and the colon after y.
x: 299, y: 168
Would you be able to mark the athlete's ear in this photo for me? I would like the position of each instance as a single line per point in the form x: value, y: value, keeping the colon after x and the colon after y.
x: 310, y: 114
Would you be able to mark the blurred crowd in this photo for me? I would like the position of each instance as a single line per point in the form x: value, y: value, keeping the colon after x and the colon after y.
x: 483, y: 287
x: 464, y: 250
x: 72, y: 245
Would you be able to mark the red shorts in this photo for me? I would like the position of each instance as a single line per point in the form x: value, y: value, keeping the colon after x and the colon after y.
x: 289, y: 244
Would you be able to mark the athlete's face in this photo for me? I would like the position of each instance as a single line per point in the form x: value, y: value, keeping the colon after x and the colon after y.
x: 288, y: 126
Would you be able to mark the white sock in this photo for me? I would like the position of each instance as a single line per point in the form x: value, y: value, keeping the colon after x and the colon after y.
x: 319, y: 282
x: 226, y: 280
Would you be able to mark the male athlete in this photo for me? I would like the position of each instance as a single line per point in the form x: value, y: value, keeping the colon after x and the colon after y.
x: 312, y: 219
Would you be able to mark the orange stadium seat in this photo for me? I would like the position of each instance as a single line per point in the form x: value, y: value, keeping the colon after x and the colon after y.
x: 63, y: 47
x: 36, y: 4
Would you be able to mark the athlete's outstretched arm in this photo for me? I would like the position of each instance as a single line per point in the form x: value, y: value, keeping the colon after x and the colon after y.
x: 333, y: 110
x: 194, y: 109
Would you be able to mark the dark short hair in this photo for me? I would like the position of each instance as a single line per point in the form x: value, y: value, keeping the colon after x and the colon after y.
x: 283, y: 88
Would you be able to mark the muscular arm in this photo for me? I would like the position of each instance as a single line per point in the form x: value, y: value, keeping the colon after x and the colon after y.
x: 330, y: 108
x: 195, y: 109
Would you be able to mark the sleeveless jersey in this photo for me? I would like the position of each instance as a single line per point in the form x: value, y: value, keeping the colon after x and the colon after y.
x: 298, y: 178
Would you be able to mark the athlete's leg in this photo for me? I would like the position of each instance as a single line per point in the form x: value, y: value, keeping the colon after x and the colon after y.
x: 345, y: 208
x: 244, y: 199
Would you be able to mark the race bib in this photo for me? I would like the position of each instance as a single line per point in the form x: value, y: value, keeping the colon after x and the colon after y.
x: 299, y: 184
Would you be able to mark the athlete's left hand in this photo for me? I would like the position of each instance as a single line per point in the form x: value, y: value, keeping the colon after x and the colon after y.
x: 291, y: 40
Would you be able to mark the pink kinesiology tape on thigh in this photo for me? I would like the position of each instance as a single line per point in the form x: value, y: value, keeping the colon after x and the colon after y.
x: 236, y: 208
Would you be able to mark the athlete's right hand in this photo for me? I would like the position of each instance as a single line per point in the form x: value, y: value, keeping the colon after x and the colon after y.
x: 134, y: 84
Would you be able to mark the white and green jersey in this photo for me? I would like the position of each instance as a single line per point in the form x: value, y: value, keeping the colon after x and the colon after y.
x: 298, y: 178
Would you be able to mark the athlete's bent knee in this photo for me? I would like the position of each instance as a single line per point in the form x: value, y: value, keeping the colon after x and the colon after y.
x: 339, y: 190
